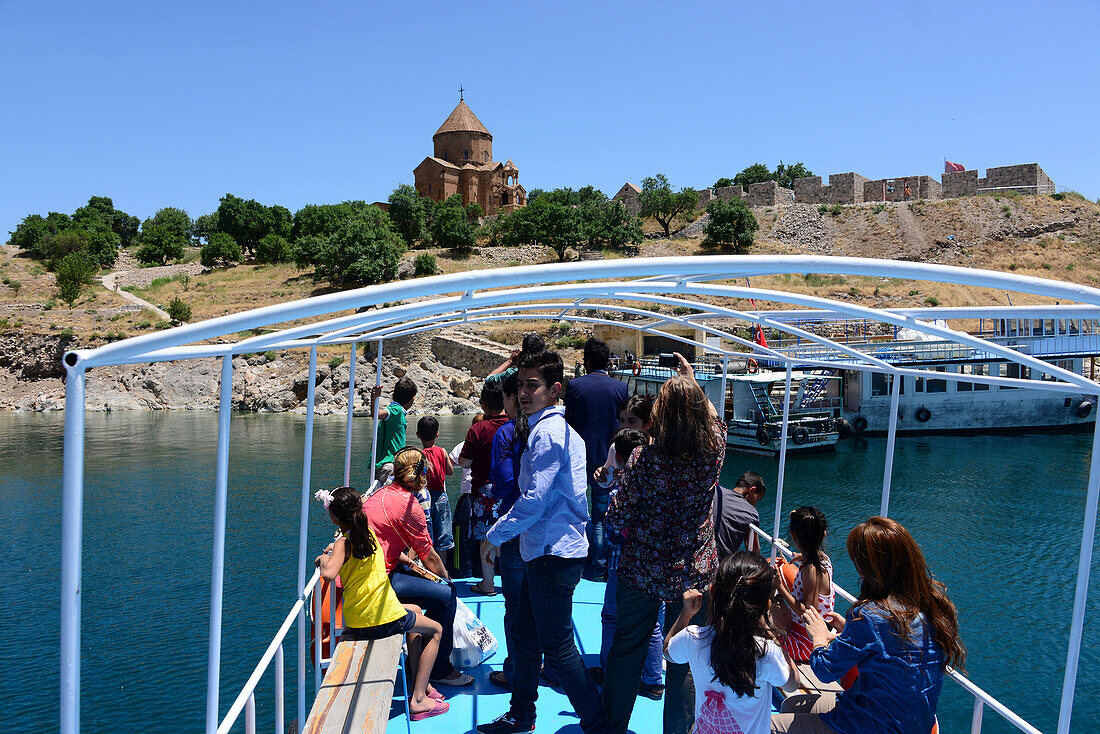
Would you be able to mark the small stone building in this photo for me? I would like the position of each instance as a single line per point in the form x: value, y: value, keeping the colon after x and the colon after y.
x: 463, y: 164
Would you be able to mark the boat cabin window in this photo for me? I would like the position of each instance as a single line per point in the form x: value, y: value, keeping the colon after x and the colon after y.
x: 1066, y: 364
x: 935, y: 385
x: 881, y: 384
x: 972, y: 369
x: 1015, y: 371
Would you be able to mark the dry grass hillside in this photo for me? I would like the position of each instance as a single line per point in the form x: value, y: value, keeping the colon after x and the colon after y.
x: 1035, y: 235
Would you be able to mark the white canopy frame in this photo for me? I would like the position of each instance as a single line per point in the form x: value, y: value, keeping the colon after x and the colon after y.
x: 530, y: 293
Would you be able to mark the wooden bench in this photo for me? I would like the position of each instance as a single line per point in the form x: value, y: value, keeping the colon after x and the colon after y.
x: 357, y: 690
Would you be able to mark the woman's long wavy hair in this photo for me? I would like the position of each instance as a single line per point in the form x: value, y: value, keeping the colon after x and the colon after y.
x: 347, y: 507
x: 738, y: 617
x: 410, y: 469
x: 897, y: 579
x: 682, y: 426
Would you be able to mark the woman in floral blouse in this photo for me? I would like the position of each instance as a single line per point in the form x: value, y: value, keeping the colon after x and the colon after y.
x: 663, y: 510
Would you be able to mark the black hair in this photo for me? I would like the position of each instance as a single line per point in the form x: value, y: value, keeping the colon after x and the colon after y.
x: 427, y: 428
x: 596, y: 354
x: 492, y: 396
x: 751, y: 479
x: 347, y: 507
x: 547, y: 363
x: 808, y: 524
x: 404, y: 391
x: 639, y: 405
x: 532, y: 344
x: 738, y: 618
x: 510, y: 384
x: 627, y: 440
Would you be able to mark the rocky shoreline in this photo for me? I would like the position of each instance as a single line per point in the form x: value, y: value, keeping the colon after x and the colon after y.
x: 32, y: 380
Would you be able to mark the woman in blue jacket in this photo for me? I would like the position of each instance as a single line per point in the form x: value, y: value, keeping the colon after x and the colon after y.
x: 901, y: 634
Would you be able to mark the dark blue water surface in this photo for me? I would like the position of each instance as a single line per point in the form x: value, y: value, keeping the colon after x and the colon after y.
x: 999, y: 519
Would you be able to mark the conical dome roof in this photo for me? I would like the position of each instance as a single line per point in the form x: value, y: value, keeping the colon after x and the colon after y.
x: 461, y: 120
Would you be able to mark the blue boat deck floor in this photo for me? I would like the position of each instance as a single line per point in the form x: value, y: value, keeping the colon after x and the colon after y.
x: 483, y: 701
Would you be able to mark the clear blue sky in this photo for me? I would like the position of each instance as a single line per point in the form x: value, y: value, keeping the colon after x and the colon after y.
x: 174, y: 104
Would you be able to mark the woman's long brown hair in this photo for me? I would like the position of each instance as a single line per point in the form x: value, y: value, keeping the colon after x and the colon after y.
x: 682, y: 425
x: 347, y: 507
x: 897, y: 579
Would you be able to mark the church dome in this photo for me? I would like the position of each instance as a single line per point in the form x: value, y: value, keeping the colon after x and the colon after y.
x: 462, y: 120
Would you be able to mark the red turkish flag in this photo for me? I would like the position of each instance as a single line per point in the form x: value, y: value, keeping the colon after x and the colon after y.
x: 948, y: 167
x: 759, y: 337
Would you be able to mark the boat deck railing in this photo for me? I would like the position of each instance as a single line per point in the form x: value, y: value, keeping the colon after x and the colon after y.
x: 982, y: 698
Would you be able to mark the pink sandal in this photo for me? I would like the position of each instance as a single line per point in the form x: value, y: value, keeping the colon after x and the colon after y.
x: 436, y: 695
x: 441, y: 707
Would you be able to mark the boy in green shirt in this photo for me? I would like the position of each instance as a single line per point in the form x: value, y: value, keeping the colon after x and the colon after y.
x: 391, y: 426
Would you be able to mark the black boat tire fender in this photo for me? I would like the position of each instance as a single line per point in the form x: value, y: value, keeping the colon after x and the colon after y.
x: 1084, y: 408
x: 859, y: 424
x: 763, y: 437
x: 923, y: 414
x: 844, y: 428
x: 801, y: 435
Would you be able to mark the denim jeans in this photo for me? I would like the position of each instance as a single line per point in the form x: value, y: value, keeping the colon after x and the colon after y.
x: 596, y: 566
x: 636, y: 614
x: 653, y: 671
x: 511, y: 585
x: 545, y: 616
x: 440, y: 530
x: 439, y: 602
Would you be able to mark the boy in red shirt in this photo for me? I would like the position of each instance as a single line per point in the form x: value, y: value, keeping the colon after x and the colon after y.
x: 439, y: 467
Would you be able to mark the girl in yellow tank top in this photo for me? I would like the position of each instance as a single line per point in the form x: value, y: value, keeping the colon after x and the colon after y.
x: 370, y: 606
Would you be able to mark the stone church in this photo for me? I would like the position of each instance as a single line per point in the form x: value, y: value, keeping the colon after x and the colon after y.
x: 463, y: 164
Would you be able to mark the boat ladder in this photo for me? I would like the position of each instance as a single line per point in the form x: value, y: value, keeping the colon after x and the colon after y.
x: 816, y: 388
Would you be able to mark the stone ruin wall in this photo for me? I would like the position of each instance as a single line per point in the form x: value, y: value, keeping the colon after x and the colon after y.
x: 852, y: 188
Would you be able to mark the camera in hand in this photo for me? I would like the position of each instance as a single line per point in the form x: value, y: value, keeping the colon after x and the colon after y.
x: 667, y: 360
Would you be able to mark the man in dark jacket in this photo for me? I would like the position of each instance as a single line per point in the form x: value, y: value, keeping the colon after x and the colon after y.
x: 592, y: 409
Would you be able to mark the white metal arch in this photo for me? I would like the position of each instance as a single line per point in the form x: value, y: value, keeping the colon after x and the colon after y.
x: 521, y: 293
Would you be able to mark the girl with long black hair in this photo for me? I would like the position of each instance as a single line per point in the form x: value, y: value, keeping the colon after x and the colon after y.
x: 733, y: 659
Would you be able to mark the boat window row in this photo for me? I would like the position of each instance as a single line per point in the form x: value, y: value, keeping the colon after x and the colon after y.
x: 881, y: 383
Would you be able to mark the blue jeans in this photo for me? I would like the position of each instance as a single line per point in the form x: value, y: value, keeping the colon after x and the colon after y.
x: 653, y: 672
x: 440, y: 530
x: 439, y: 602
x: 511, y: 585
x: 545, y: 615
x: 596, y: 565
x: 636, y: 614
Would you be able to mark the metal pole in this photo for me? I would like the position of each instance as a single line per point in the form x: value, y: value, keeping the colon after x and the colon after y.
x: 280, y: 724
x: 976, y: 717
x: 72, y: 519
x: 374, y: 412
x: 725, y: 371
x: 782, y: 455
x: 351, y: 412
x: 217, y: 571
x: 891, y: 434
x: 1080, y: 597
x: 303, y: 533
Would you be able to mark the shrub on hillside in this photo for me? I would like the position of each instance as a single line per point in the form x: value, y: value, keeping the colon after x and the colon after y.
x: 731, y: 225
x: 425, y: 264
x: 221, y: 249
x: 364, y: 251
x: 273, y: 249
x: 178, y: 311
x: 74, y: 271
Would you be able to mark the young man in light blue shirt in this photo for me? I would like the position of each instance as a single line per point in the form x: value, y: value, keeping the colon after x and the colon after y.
x: 549, y: 518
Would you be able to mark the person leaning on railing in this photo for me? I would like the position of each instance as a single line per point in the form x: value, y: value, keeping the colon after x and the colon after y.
x: 901, y: 634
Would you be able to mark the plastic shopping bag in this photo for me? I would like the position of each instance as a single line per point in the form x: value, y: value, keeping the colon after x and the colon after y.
x: 473, y: 642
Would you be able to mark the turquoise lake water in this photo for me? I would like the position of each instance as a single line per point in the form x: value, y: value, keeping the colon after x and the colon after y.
x: 999, y: 519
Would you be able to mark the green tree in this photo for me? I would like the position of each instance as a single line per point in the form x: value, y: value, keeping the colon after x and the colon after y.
x: 408, y: 214
x: 220, y: 249
x: 756, y: 173
x: 365, y: 250
x: 731, y: 224
x: 657, y: 200
x: 164, y: 235
x: 425, y: 264
x: 203, y: 227
x: 323, y: 219
x: 248, y: 221
x: 74, y: 271
x: 126, y: 226
x: 56, y: 246
x: 99, y: 214
x: 723, y: 183
x: 474, y: 213
x: 30, y: 234
x: 785, y: 175
x: 178, y: 311
x: 273, y: 249
x: 620, y: 227
x: 557, y: 226
x: 307, y: 249
x: 451, y: 227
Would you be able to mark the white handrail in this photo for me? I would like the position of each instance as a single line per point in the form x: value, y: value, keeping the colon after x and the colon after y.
x: 265, y: 659
x: 976, y: 724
